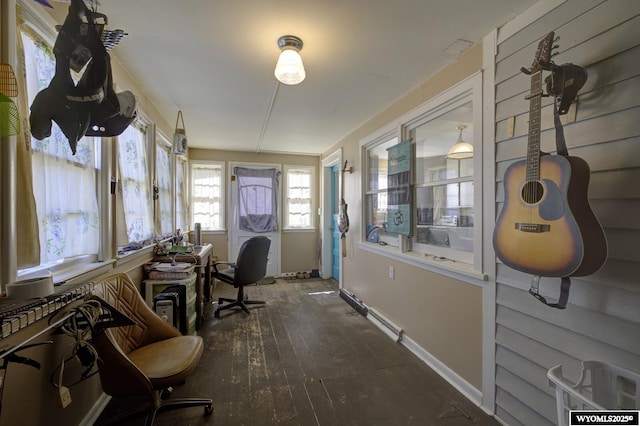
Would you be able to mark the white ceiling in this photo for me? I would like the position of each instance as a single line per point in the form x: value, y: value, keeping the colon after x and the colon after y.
x: 214, y: 60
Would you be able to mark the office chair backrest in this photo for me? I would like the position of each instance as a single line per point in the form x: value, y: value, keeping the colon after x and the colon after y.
x: 120, y: 292
x: 251, y: 264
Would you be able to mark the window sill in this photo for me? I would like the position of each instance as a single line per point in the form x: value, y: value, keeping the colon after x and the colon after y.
x: 299, y: 230
x: 134, y: 255
x: 213, y: 231
x: 89, y: 271
x: 85, y: 272
x: 457, y: 270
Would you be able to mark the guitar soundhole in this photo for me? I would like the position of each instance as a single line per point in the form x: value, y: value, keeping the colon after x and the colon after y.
x: 532, y: 192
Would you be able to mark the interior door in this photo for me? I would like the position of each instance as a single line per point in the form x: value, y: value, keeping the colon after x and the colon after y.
x: 335, y: 233
x: 249, y: 210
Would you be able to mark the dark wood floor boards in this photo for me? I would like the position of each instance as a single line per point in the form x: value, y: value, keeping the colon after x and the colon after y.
x: 307, y: 358
x: 301, y: 347
x: 274, y: 380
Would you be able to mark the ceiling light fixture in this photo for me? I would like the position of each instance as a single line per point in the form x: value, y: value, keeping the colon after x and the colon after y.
x: 461, y: 149
x: 289, y: 69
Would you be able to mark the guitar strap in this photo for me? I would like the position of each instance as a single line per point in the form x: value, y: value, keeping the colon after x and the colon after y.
x: 561, y: 144
x: 565, y: 283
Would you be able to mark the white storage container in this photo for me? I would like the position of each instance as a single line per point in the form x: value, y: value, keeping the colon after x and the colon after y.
x: 153, y: 287
x: 188, y: 312
x: 601, y: 386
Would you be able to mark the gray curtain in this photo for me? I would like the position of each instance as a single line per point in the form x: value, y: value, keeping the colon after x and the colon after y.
x: 257, y: 199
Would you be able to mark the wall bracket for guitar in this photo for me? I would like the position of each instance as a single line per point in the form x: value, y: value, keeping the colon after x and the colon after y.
x: 564, y: 82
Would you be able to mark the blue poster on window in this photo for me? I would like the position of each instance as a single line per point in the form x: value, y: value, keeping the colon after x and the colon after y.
x: 399, y: 189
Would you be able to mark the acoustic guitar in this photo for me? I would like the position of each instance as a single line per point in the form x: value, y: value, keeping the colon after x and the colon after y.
x: 343, y: 217
x: 546, y: 226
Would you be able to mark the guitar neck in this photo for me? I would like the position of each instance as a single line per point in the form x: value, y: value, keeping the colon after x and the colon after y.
x: 533, y: 143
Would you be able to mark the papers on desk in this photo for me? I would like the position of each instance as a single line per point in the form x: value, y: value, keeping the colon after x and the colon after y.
x: 168, y: 271
x: 168, y: 267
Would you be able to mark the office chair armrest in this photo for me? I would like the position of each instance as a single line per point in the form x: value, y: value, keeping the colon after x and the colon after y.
x: 230, y: 264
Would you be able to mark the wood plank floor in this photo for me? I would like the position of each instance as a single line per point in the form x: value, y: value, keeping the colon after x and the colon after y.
x: 307, y: 358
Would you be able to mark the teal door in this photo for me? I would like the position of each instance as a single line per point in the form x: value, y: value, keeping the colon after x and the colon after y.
x: 335, y: 234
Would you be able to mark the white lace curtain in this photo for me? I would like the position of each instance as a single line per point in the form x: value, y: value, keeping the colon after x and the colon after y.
x: 163, y: 203
x: 299, y: 198
x: 182, y: 203
x: 64, y: 185
x: 136, y: 190
x: 207, y: 196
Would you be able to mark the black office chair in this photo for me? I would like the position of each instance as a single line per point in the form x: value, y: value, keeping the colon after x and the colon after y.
x: 250, y: 267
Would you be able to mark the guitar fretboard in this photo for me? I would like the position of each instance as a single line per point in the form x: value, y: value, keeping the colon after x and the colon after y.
x: 533, y: 144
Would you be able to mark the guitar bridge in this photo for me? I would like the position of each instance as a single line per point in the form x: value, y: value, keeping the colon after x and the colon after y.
x: 532, y: 227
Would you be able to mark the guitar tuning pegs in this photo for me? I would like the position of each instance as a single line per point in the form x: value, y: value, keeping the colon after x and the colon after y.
x: 556, y: 38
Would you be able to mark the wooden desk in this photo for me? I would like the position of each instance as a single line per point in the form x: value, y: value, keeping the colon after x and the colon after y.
x: 201, y: 256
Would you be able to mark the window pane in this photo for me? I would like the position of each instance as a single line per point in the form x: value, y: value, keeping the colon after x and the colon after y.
x: 207, y: 195
x: 163, y: 172
x: 299, y: 201
x: 445, y: 215
x: 433, y: 141
x: 377, y: 164
x: 445, y: 204
x: 377, y: 210
x: 444, y: 186
x: 136, y: 190
x: 64, y: 185
x: 182, y: 202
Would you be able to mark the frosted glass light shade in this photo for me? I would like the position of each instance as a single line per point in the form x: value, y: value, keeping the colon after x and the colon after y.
x: 461, y: 150
x: 289, y: 69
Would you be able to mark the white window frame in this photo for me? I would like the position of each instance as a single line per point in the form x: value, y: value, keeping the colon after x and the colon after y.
x: 388, y: 134
x: 400, y: 247
x: 439, y: 252
x: 86, y: 266
x: 60, y: 268
x: 163, y: 144
x: 147, y: 129
x: 286, y: 200
x: 181, y: 165
x: 220, y: 165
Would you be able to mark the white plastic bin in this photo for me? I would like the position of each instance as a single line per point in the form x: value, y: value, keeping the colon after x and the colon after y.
x: 601, y: 386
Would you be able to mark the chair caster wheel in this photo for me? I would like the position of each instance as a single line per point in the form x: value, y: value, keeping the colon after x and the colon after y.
x: 166, y: 393
x: 216, y: 314
x: 208, y: 409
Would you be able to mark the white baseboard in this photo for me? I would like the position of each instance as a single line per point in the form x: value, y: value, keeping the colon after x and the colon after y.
x: 464, y: 387
x: 93, y: 414
x: 383, y: 323
x: 397, y: 334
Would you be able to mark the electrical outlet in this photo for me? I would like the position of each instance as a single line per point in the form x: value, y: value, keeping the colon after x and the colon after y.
x: 65, y: 396
x: 392, y: 272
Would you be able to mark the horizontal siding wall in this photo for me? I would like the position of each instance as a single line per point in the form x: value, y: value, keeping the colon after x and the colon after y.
x: 602, y: 319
